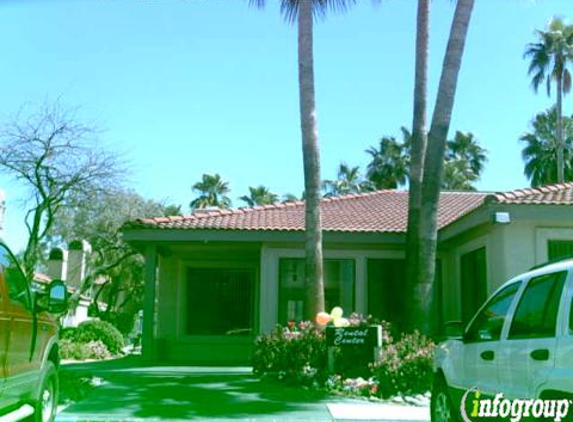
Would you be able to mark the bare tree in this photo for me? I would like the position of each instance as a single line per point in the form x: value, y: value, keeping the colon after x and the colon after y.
x: 54, y: 156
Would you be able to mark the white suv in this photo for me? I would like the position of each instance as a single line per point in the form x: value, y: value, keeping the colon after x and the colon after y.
x: 520, y: 344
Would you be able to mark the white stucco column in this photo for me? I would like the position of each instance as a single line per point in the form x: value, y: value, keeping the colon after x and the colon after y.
x: 148, y: 347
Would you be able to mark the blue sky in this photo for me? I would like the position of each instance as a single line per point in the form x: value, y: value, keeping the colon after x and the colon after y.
x: 193, y: 87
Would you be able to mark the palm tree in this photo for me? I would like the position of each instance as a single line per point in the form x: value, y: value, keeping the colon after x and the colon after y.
x: 259, y: 196
x: 549, y: 59
x: 540, y: 145
x: 419, y: 142
x: 388, y: 168
x: 421, y: 291
x: 212, y: 192
x: 289, y: 197
x: 349, y: 180
x: 465, y: 161
x: 303, y: 12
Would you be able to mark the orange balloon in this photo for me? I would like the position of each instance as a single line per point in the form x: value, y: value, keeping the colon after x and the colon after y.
x: 322, y: 318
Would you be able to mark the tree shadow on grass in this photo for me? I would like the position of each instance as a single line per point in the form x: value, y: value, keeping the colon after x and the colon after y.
x: 159, y: 396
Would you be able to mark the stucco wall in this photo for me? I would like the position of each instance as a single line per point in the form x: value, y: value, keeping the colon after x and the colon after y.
x: 511, y: 250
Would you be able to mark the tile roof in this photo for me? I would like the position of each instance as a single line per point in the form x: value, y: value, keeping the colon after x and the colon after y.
x: 379, y: 211
x: 383, y: 211
x: 558, y: 194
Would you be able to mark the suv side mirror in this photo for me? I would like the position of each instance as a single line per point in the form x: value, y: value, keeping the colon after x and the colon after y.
x: 57, y: 297
x: 454, y: 330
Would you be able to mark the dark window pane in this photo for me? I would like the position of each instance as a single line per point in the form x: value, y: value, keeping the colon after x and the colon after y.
x: 15, y: 279
x: 339, y: 276
x: 489, y: 322
x: 536, y: 314
x: 571, y: 317
x: 559, y: 249
x: 386, y: 279
x: 386, y: 288
x: 473, y: 281
x: 220, y: 301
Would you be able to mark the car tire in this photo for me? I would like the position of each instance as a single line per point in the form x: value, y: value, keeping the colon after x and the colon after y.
x: 46, y: 403
x: 441, y: 408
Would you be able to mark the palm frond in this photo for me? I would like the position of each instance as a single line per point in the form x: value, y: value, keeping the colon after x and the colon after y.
x: 259, y: 4
x: 290, y: 8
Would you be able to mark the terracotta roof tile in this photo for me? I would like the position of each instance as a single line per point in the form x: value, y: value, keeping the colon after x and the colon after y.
x: 383, y: 211
x: 380, y: 211
x: 558, y: 194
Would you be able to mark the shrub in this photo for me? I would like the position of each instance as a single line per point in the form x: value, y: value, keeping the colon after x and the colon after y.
x: 95, y: 330
x: 294, y: 353
x: 406, y: 366
x: 82, y: 351
x: 298, y: 354
x: 352, y: 386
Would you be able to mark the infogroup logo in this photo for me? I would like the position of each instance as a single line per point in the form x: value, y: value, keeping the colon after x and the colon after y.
x: 514, y: 410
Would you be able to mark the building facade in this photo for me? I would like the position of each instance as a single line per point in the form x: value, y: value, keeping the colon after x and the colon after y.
x: 216, y: 279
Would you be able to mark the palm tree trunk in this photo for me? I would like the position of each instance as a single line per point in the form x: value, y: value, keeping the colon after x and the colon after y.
x: 559, y: 130
x: 419, y: 141
x: 434, y: 163
x: 314, y: 264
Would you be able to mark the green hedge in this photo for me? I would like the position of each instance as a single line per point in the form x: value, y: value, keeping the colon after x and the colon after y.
x: 95, y: 330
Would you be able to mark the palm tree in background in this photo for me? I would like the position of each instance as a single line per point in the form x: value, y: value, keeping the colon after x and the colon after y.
x: 388, y: 168
x: 290, y: 197
x: 303, y: 13
x: 212, y: 191
x: 540, y: 145
x: 550, y: 57
x: 259, y: 196
x: 465, y: 161
x: 349, y: 180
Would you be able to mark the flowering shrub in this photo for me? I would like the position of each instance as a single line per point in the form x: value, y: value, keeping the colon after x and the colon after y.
x: 352, y: 386
x: 405, y: 367
x: 82, y: 351
x: 296, y: 353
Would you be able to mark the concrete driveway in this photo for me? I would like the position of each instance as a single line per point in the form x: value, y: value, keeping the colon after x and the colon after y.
x: 133, y: 392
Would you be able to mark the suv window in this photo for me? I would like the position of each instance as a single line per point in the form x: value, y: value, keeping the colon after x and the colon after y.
x: 536, y: 314
x: 571, y: 317
x: 489, y: 322
x: 15, y: 279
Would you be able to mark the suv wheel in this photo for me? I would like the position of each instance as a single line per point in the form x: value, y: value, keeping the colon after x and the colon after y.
x: 441, y: 405
x: 47, y: 403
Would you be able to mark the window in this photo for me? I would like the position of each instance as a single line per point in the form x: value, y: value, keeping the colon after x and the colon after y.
x: 339, y: 276
x: 571, y: 317
x: 489, y: 322
x: 386, y: 287
x: 17, y: 285
x: 473, y: 267
x: 559, y: 249
x: 220, y: 301
x: 536, y: 314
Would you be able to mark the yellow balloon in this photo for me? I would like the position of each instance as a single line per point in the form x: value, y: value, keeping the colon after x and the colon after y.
x: 336, y: 312
x: 322, y: 318
x: 341, y: 322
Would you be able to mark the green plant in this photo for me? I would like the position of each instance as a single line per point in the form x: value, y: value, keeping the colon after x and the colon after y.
x: 405, y: 366
x: 294, y: 353
x: 82, y: 351
x: 95, y: 330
